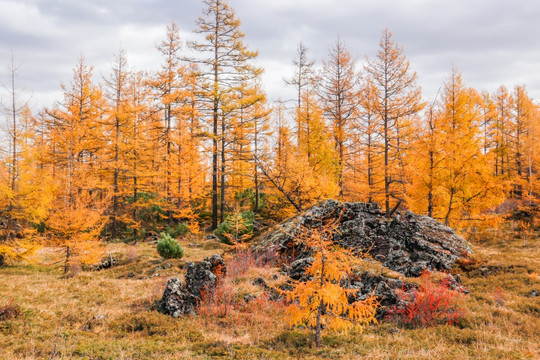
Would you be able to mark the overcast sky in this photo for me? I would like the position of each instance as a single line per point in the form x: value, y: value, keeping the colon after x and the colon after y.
x: 492, y: 42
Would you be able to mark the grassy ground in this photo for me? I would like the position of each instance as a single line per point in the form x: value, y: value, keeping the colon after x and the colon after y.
x: 108, y: 314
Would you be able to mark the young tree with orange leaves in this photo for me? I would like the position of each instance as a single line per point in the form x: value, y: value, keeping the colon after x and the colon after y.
x: 321, y: 302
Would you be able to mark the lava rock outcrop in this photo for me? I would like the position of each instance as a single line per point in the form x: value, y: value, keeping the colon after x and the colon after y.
x: 182, y: 298
x: 407, y: 244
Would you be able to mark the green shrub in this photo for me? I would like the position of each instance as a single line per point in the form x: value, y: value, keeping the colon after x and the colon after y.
x: 169, y: 248
x: 237, y: 227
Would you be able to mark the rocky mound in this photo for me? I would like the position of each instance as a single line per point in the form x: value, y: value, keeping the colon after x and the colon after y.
x: 181, y: 298
x: 407, y: 243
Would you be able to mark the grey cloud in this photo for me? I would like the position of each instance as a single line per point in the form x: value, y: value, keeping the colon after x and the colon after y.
x: 490, y: 41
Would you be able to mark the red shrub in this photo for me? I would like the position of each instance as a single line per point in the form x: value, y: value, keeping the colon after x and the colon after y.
x: 433, y: 303
x: 247, y: 259
x: 224, y: 299
x: 219, y: 301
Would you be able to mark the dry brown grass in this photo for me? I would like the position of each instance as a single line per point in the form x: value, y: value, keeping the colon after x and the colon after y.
x: 107, y: 314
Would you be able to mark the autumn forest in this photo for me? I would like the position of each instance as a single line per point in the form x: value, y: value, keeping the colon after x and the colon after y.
x: 196, y: 147
x: 197, y: 140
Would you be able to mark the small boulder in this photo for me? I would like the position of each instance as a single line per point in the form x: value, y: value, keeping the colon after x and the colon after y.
x: 177, y: 300
x: 106, y: 263
x: 204, y: 275
x: 297, y: 269
x: 182, y: 298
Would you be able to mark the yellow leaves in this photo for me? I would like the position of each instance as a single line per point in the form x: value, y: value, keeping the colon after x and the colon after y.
x: 451, y: 176
x: 18, y: 249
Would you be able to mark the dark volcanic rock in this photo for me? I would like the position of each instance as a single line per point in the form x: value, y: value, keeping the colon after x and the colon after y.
x: 298, y: 267
x: 177, y: 300
x: 384, y: 288
x: 407, y: 244
x: 182, y: 298
x: 204, y: 274
x: 106, y: 263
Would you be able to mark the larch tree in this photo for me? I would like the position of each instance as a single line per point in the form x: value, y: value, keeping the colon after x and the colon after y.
x: 78, y: 216
x: 274, y: 166
x: 523, y: 109
x: 398, y: 98
x: 14, y: 109
x: 533, y: 154
x: 141, y: 146
x: 426, y: 162
x: 169, y: 92
x: 248, y: 132
x: 466, y: 181
x: 302, y: 80
x: 367, y: 154
x: 338, y: 90
x: 261, y: 133
x: 191, y: 181
x: 227, y: 63
x: 26, y: 188
x: 489, y: 117
x: 28, y: 204
x: 307, y: 172
x: 501, y: 130
x: 119, y: 114
x: 321, y: 302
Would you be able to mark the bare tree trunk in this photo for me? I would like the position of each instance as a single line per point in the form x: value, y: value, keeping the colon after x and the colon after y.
x: 215, y: 137
x: 255, y: 171
x: 68, y: 255
x: 321, y: 304
x: 450, y: 203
